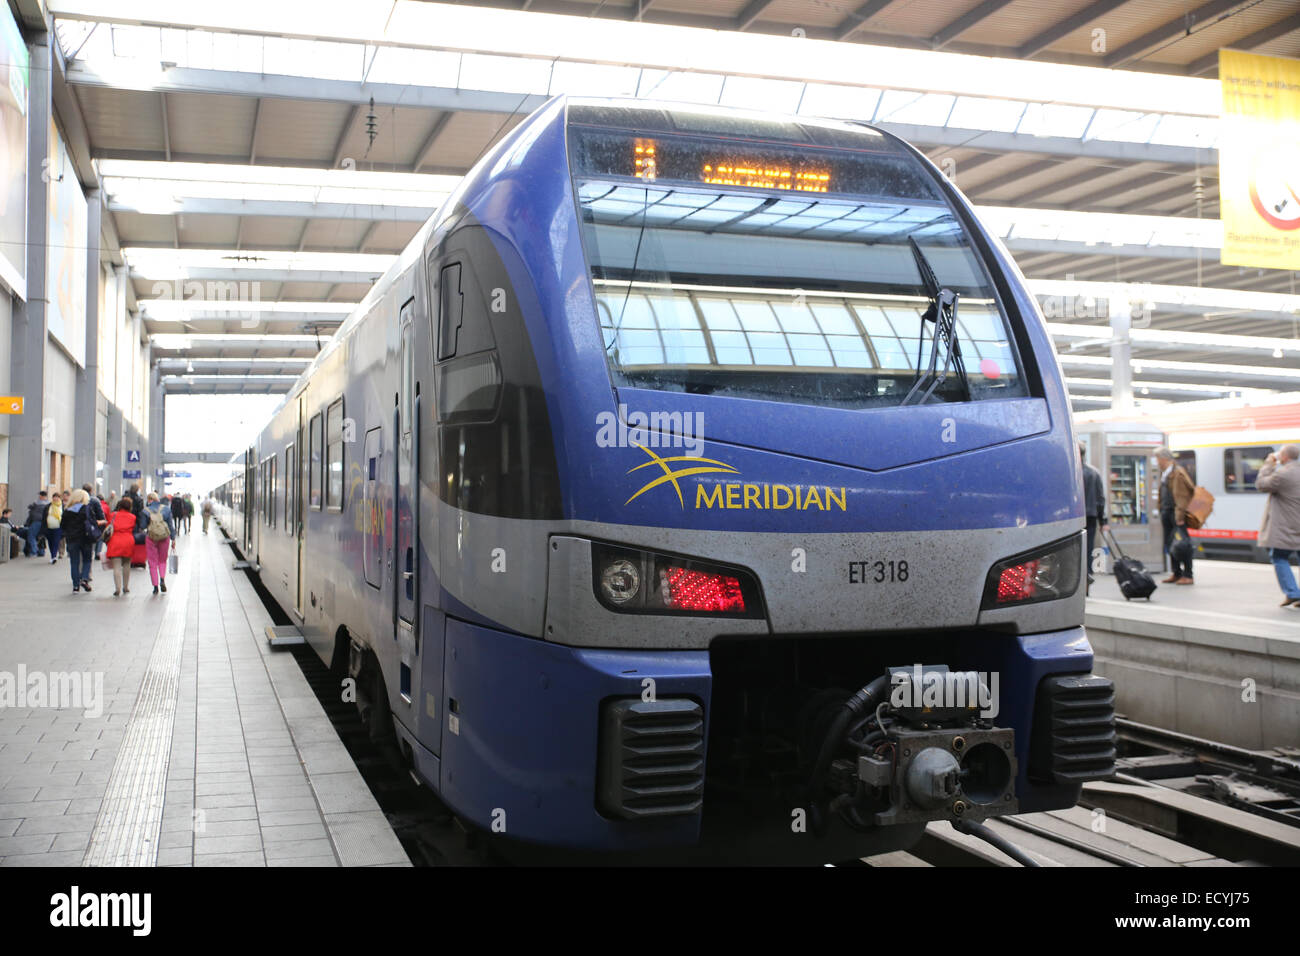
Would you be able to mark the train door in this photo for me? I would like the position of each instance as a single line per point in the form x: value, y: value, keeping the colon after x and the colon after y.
x: 406, y: 580
x: 299, y: 504
x: 250, y: 500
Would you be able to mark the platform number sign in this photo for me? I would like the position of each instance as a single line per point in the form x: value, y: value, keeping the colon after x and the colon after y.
x: 133, y: 454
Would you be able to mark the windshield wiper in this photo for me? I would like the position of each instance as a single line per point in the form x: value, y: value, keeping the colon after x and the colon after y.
x: 943, y: 313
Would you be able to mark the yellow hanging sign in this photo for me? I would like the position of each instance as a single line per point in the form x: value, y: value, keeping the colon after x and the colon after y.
x: 1259, y: 160
x: 11, y: 404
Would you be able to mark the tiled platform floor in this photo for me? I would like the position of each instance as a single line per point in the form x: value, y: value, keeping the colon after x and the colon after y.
x: 255, y: 774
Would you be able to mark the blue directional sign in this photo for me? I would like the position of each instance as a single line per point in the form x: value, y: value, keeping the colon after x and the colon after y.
x: 128, y: 473
x: 133, y: 455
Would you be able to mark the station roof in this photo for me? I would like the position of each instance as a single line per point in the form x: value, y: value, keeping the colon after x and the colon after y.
x: 241, y: 136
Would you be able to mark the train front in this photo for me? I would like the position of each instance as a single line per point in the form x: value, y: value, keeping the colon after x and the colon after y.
x: 819, y: 575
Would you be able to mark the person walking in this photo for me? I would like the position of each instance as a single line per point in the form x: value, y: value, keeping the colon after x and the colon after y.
x: 121, y: 544
x: 1094, y: 504
x: 159, y: 535
x: 80, y: 530
x: 207, y: 513
x: 35, y: 526
x: 1176, y: 490
x: 1279, y: 477
x: 96, y: 508
x: 53, y: 522
x: 189, y: 512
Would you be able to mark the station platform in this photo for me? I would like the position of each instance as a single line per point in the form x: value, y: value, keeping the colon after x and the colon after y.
x: 162, y: 730
x: 1218, y: 659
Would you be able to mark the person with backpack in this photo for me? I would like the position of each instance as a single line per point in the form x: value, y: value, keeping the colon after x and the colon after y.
x: 159, y: 535
x: 80, y: 530
x: 121, y: 545
x: 53, y: 523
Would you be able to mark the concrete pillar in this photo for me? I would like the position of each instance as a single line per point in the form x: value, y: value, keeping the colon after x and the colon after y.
x: 27, y: 358
x: 1121, y: 358
x: 157, y: 424
x: 116, y: 460
x: 88, y: 378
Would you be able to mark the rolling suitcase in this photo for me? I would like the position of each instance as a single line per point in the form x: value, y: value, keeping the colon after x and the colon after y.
x: 1131, y: 574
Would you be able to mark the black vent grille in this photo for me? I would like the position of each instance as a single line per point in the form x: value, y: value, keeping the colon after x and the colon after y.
x: 651, y: 758
x: 1074, y: 730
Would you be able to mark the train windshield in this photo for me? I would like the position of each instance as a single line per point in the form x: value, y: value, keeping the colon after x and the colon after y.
x: 780, y: 272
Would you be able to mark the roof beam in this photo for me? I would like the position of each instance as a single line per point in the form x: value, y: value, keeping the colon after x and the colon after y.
x: 1059, y: 31
x: 963, y: 23
x: 307, y: 88
x: 257, y: 132
x: 1168, y: 31
x: 431, y: 141
x: 370, y: 235
x: 1257, y: 39
x: 639, y: 9
x: 348, y: 126
x: 202, y: 206
x: 753, y: 11
x: 166, y: 127
x: 859, y: 17
x: 1016, y: 175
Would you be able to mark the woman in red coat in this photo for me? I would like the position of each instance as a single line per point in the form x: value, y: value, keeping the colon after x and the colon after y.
x: 121, y: 545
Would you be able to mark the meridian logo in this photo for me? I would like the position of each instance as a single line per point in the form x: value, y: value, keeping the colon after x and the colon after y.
x: 75, y: 909
x: 760, y: 496
x: 73, y: 691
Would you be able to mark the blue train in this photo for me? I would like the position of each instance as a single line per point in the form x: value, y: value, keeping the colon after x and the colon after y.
x: 697, y: 484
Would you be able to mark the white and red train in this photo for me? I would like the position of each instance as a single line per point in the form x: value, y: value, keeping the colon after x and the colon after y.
x: 1223, y: 446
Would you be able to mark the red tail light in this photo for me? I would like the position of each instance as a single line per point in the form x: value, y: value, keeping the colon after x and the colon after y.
x: 1017, y: 582
x: 686, y: 590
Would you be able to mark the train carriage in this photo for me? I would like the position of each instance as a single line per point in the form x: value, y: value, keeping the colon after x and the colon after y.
x: 695, y: 482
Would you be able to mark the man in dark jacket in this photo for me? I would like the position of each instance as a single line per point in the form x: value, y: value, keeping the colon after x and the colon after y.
x: 1176, y: 491
x: 1094, y: 505
x: 97, y: 515
x: 36, y: 525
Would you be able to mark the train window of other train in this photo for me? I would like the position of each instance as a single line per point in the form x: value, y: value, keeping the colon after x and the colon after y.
x: 314, y: 463
x: 1241, y: 466
x: 334, y: 456
x: 755, y: 286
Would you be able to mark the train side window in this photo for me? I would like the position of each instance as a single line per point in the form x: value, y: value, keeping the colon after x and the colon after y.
x: 288, y: 489
x: 372, y: 547
x: 451, y: 311
x: 314, y: 463
x: 1188, y: 460
x: 275, y: 489
x: 1241, y: 466
x: 334, y: 456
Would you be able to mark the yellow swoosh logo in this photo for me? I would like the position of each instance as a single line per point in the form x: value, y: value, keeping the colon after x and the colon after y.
x: 706, y: 466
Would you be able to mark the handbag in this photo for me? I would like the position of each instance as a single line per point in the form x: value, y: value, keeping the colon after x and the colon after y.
x: 1199, y: 508
x: 1180, y: 548
x: 173, y: 563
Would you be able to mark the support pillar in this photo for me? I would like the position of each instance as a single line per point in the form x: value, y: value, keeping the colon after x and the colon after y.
x: 1121, y: 359
x: 88, y: 378
x: 27, y: 469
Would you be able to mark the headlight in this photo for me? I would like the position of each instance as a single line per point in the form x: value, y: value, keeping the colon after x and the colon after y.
x: 649, y: 583
x: 1045, y: 574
